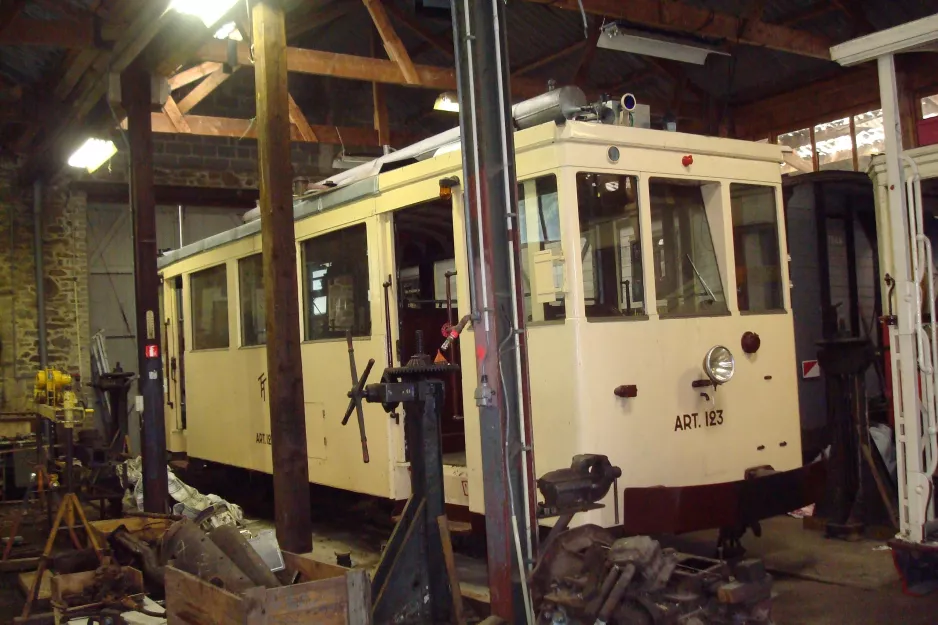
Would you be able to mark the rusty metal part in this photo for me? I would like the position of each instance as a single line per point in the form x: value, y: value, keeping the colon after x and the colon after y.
x: 189, y: 549
x: 229, y: 539
x: 577, y: 488
x: 355, y: 395
x: 585, y: 578
x: 153, y: 571
x: 676, y: 510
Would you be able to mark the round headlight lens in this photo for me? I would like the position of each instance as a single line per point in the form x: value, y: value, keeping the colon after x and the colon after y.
x: 719, y: 364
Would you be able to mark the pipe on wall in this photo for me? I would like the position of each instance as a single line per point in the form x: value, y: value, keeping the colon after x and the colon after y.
x: 40, y: 285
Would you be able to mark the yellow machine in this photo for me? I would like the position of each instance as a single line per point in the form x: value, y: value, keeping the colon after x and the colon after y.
x: 55, y: 400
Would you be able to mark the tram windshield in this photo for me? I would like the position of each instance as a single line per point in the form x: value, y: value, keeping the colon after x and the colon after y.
x: 687, y: 276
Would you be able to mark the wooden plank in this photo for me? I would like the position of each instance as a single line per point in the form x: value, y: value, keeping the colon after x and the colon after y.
x: 297, y: 117
x: 175, y: 115
x: 26, y: 580
x: 358, y: 591
x: 450, y: 559
x: 188, y: 76
x: 680, y: 17
x: 324, y: 601
x: 312, y: 569
x: 202, y: 90
x: 18, y: 564
x: 392, y: 42
x: 144, y: 528
x: 190, y: 601
x: 71, y: 34
x: 441, y: 43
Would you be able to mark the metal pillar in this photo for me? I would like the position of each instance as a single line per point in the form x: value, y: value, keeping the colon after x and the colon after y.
x: 490, y: 190
x: 284, y: 366
x: 135, y: 94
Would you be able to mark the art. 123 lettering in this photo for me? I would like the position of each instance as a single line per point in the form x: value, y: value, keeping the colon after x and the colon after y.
x: 694, y: 420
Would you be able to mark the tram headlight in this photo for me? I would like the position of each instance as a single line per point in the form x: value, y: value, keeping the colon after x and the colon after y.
x: 719, y: 365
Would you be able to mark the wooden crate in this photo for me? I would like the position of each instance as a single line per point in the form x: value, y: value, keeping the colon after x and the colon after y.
x: 332, y: 596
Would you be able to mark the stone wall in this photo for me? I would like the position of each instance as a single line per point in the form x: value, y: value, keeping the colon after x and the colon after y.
x: 64, y: 253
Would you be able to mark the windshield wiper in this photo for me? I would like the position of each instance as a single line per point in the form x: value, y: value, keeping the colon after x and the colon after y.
x: 713, y: 297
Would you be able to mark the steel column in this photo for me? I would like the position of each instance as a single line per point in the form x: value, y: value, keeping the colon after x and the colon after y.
x: 135, y: 94
x: 284, y: 366
x: 490, y: 187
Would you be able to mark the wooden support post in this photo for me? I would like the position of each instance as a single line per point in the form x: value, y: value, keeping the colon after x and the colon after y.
x: 135, y: 96
x: 284, y: 367
x: 380, y: 106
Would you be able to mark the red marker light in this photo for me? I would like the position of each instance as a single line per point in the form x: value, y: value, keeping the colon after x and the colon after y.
x: 152, y: 351
x: 687, y: 161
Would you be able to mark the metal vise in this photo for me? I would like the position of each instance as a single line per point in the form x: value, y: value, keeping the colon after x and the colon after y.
x: 578, y: 488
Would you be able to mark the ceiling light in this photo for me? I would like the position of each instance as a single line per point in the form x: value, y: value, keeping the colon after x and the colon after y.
x: 228, y: 30
x: 615, y: 37
x: 209, y: 11
x: 92, y: 154
x: 447, y: 102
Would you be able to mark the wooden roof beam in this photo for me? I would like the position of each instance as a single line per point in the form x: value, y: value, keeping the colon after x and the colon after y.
x: 188, y: 76
x: 683, y: 18
x: 299, y: 120
x: 204, y: 89
x: 810, y: 12
x: 392, y: 43
x: 362, y: 68
x: 74, y: 34
x: 549, y: 58
x: 441, y: 43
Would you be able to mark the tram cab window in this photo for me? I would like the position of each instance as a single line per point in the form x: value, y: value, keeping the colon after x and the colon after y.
x: 610, y: 245
x: 755, y: 237
x: 687, y: 276
x: 209, y: 289
x: 335, y: 284
x: 539, y: 212
x: 251, y: 296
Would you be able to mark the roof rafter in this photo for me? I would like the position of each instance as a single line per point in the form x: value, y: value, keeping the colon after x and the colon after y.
x: 680, y: 17
x: 188, y: 76
x: 392, y: 42
x: 203, y: 89
x: 441, y: 43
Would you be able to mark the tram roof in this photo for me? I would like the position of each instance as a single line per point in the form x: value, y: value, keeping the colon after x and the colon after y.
x: 362, y: 181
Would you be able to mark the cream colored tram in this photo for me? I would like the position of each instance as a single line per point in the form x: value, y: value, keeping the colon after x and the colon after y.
x: 642, y: 250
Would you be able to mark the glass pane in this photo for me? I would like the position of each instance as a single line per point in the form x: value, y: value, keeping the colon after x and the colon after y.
x: 930, y: 106
x: 335, y: 278
x: 610, y: 245
x: 251, y: 290
x: 800, y: 143
x: 687, y: 276
x: 209, y: 289
x: 834, y: 145
x: 539, y: 211
x: 755, y: 237
x: 871, y: 138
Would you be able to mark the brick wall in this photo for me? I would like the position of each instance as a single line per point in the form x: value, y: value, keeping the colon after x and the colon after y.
x: 65, y: 262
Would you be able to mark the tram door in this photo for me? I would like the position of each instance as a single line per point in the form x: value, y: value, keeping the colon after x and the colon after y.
x: 425, y: 256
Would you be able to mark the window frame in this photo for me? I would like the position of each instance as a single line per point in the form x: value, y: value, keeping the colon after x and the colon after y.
x: 192, y: 315
x: 643, y: 238
x: 567, y: 301
x: 304, y: 295
x: 240, y: 319
x: 780, y: 238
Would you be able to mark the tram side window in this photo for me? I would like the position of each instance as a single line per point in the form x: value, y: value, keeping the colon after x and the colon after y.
x: 755, y: 237
x: 687, y: 276
x: 251, y: 292
x: 209, y: 289
x: 335, y: 278
x: 539, y: 212
x: 610, y: 245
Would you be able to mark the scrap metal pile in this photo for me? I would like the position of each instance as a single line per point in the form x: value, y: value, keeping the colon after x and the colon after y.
x: 587, y: 575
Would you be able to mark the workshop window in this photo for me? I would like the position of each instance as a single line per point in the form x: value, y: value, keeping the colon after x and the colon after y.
x: 251, y: 295
x: 687, y: 276
x: 801, y: 159
x: 336, y: 289
x: 539, y: 212
x: 833, y: 143
x: 755, y: 238
x: 610, y: 245
x: 870, y: 137
x: 209, y: 289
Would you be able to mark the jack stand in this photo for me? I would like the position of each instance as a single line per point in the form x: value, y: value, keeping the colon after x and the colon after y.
x: 36, y: 486
x: 412, y: 584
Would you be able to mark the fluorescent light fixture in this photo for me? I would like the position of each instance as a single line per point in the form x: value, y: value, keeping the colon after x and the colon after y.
x: 228, y: 30
x: 209, y: 11
x: 615, y: 37
x: 92, y: 154
x: 447, y: 101
x: 918, y: 35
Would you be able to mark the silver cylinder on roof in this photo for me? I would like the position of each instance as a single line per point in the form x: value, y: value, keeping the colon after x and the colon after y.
x: 557, y: 105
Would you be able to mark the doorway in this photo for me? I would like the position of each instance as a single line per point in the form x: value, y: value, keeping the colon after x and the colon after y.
x: 426, y: 273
